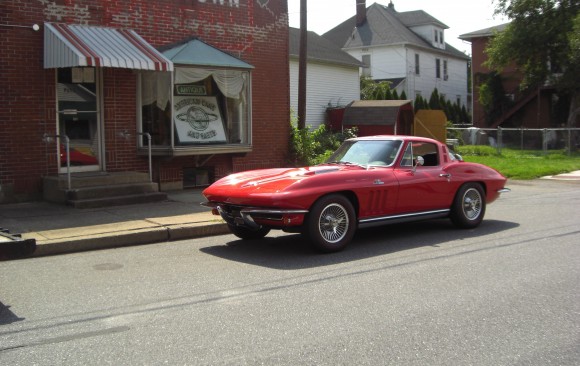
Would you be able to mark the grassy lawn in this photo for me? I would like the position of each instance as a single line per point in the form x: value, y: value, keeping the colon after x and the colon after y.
x: 521, y: 164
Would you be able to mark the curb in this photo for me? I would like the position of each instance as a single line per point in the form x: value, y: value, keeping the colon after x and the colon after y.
x: 129, y: 238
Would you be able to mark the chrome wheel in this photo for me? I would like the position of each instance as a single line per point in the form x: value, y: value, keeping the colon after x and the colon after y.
x: 333, y: 223
x: 469, y: 206
x: 472, y: 204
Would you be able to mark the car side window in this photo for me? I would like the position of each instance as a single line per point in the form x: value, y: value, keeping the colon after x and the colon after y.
x: 428, y: 152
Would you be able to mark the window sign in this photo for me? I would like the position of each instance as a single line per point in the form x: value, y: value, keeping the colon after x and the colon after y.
x: 190, y: 90
x: 198, y: 120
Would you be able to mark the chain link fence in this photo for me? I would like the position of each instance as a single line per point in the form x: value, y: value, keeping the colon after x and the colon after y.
x: 546, y: 139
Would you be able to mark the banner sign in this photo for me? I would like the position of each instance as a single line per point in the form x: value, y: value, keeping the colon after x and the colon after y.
x: 198, y: 120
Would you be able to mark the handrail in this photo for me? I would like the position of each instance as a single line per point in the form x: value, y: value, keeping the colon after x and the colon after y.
x: 148, y: 135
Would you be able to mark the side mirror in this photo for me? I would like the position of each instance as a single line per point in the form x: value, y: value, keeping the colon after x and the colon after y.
x: 458, y: 157
x: 419, y: 161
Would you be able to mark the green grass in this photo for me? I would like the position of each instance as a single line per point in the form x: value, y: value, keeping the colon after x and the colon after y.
x: 521, y: 164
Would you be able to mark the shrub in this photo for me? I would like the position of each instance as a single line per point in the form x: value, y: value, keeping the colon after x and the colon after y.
x: 314, y: 146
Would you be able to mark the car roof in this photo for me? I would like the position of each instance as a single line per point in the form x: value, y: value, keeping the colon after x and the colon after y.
x: 394, y: 137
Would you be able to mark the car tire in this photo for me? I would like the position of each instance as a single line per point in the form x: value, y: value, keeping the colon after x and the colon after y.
x: 468, y: 206
x: 247, y: 234
x: 331, y: 223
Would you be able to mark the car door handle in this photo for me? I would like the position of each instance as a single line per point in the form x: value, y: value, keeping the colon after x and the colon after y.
x: 445, y: 175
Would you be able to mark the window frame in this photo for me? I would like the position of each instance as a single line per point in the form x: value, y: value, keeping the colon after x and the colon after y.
x: 174, y: 147
x: 417, y: 64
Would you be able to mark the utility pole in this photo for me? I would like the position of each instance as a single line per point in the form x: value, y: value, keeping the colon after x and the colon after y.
x: 302, y: 66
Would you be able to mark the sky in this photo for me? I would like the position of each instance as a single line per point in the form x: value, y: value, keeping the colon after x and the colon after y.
x: 461, y: 16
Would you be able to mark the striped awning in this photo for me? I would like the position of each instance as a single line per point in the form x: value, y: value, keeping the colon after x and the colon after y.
x: 68, y: 45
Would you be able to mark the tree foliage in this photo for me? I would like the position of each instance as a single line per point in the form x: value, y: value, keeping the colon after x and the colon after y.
x: 372, y: 90
x: 543, y: 40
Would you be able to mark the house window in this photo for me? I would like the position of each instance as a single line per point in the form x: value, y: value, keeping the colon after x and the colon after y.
x: 203, y: 107
x: 366, y: 71
x: 438, y: 68
x: 445, y: 74
x: 436, y: 38
x: 417, y: 68
x: 441, y: 37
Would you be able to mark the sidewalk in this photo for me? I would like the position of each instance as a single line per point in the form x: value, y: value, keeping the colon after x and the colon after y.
x: 59, y: 229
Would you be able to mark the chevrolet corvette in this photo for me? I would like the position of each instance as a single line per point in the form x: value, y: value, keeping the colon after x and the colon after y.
x: 368, y: 181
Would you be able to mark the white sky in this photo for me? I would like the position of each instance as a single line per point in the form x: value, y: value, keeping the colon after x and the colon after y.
x: 461, y: 16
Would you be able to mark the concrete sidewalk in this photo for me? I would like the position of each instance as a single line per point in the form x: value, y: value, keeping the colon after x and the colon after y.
x: 59, y: 229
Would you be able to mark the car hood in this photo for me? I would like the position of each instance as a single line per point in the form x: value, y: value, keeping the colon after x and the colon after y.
x: 272, y: 180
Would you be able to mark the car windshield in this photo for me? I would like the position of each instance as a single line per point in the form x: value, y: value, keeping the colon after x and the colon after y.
x: 366, y: 152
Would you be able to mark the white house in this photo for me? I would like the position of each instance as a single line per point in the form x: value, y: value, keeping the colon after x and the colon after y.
x: 332, y: 77
x: 406, y: 48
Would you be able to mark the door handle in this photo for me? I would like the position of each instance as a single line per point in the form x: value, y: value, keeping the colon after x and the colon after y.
x: 445, y: 175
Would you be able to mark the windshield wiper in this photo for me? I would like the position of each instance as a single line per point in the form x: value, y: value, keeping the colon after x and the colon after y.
x: 347, y: 163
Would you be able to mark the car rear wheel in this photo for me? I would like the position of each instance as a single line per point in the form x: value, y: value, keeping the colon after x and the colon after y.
x: 331, y: 223
x: 247, y: 234
x: 469, y: 206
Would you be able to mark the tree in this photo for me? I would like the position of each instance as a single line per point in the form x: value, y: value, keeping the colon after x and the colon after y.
x: 543, y: 40
x: 434, y: 100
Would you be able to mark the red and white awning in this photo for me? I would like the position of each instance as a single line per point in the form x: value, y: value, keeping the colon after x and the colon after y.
x: 68, y: 45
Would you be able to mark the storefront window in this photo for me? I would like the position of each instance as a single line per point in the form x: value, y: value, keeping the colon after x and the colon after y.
x: 206, y: 107
x: 156, y: 107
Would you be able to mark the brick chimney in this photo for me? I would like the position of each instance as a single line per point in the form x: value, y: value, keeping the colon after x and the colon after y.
x: 361, y: 12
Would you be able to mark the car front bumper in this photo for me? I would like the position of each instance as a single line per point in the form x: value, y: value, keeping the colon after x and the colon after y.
x: 256, y: 217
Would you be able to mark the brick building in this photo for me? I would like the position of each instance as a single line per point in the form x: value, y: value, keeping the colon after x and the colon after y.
x: 206, y: 80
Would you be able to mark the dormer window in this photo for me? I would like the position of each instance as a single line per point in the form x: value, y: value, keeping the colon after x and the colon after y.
x: 436, y: 38
x: 441, y: 37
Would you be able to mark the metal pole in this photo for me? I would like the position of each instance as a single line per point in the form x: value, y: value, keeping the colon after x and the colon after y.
x: 569, y: 142
x: 499, y: 139
x: 68, y: 179
x: 146, y: 134
x: 544, y: 141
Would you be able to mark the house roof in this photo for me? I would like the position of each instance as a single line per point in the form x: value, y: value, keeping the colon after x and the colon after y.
x: 385, y: 26
x: 320, y: 49
x: 374, y: 112
x: 487, y: 32
x: 192, y: 51
x: 418, y: 17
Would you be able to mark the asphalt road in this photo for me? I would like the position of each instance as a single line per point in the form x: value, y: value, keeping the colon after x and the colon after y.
x: 506, y: 293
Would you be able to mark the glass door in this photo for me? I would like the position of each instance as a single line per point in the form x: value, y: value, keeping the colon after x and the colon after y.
x: 78, y: 117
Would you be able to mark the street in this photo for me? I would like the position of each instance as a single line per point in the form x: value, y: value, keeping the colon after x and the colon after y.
x: 505, y: 293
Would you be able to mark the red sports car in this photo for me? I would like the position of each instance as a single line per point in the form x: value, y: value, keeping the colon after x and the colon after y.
x: 368, y: 181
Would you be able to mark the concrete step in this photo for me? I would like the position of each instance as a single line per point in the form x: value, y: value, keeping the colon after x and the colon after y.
x: 111, y: 190
x: 118, y: 200
x: 97, y: 185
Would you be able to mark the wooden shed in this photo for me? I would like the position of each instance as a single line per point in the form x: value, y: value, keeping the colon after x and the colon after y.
x: 379, y: 117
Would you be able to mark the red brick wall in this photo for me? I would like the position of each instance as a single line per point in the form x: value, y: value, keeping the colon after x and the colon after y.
x: 253, y: 30
x: 510, y: 75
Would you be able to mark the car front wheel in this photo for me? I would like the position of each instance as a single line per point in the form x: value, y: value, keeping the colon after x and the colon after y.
x: 469, y: 206
x: 331, y: 223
